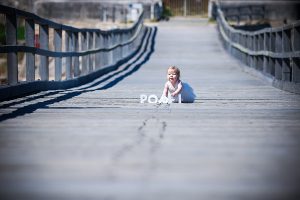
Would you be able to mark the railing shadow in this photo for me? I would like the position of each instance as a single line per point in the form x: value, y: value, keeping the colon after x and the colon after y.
x: 135, y: 64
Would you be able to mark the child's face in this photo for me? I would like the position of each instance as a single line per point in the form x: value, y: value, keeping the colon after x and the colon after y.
x: 172, y: 76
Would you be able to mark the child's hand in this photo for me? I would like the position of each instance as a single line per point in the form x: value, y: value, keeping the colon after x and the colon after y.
x: 163, y: 99
x: 173, y: 94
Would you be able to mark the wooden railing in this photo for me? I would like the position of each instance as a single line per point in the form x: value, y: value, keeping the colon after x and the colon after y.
x: 273, y: 51
x: 85, y: 50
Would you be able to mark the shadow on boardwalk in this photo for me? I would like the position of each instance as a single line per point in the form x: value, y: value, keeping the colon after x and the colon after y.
x: 112, y: 79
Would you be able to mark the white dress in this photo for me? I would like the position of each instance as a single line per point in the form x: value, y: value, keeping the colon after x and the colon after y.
x: 171, y: 89
x: 185, y: 96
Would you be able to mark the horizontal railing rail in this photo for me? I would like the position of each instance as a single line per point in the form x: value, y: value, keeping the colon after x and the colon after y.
x: 43, y: 52
x: 84, y: 50
x: 273, y: 51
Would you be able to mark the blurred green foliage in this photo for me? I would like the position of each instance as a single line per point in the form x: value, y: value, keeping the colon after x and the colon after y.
x: 167, y: 11
x: 20, y: 34
x: 2, y: 34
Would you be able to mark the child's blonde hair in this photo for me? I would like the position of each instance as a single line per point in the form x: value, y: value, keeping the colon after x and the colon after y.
x: 176, y: 69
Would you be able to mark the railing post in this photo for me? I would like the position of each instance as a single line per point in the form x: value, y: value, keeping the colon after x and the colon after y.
x: 71, y: 49
x: 126, y: 49
x: 265, y: 65
x: 107, y: 53
x: 256, y: 42
x: 296, y: 61
x: 121, y: 47
x: 286, y: 40
x: 93, y: 55
x: 11, y: 39
x: 250, y: 43
x: 76, y: 58
x: 134, y: 42
x: 260, y: 59
x: 261, y: 41
x: 138, y: 40
x: 278, y: 42
x: 30, y: 61
x: 117, y: 50
x: 296, y: 70
x: 90, y: 46
x: 68, y: 36
x: 97, y: 46
x: 130, y: 46
x: 110, y: 43
x: 247, y: 41
x: 266, y: 41
x: 83, y: 48
x: 273, y: 42
x: 286, y: 70
x: 101, y: 54
x: 260, y: 63
x: 278, y: 61
x: 58, y: 48
x: 114, y: 13
x: 114, y: 52
x: 296, y: 38
x: 122, y: 37
x: 44, y: 44
x: 277, y: 68
x: 272, y: 66
x: 241, y: 39
x: 255, y: 61
x: 265, y: 48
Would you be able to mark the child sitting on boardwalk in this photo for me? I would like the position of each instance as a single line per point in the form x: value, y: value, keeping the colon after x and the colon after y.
x: 175, y: 91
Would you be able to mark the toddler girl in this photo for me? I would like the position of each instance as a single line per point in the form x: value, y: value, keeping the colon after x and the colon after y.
x: 175, y: 91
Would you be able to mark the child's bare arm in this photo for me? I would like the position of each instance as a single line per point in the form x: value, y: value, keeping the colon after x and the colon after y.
x: 179, y: 88
x: 165, y: 92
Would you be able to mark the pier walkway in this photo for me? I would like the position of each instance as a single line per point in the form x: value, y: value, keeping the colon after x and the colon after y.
x: 240, y: 139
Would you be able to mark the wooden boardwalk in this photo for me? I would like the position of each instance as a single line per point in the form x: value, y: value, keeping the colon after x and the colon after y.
x: 239, y: 140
